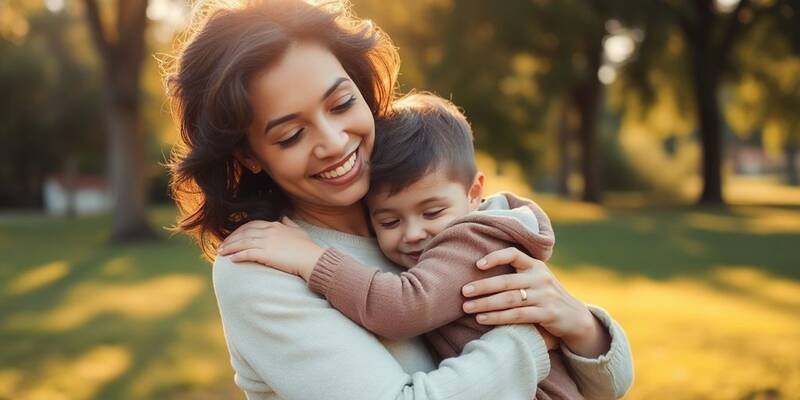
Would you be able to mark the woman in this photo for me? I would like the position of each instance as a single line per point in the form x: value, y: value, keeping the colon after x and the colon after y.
x: 276, y: 102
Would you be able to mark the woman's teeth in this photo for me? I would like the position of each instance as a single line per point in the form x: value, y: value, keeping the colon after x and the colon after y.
x: 343, y: 169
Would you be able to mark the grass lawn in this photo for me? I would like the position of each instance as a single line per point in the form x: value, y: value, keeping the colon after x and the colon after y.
x: 710, y: 300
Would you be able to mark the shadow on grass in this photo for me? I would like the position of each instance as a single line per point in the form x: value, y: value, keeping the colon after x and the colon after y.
x: 667, y: 242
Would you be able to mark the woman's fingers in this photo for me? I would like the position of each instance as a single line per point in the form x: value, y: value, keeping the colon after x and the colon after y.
x: 505, y: 300
x: 495, y: 284
x: 519, y: 315
x: 508, y: 256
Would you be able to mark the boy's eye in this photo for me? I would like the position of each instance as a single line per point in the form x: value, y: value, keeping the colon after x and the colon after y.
x: 389, y: 223
x: 345, y: 105
x: 433, y: 213
x: 292, y: 139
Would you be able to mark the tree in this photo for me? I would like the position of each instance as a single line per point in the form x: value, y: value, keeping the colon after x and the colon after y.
x: 50, y: 113
x: 122, y: 52
x: 766, y: 98
x: 710, y: 33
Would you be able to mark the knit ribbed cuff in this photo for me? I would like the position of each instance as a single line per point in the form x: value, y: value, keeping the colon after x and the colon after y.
x: 539, y: 350
x: 616, y: 362
x: 322, y: 275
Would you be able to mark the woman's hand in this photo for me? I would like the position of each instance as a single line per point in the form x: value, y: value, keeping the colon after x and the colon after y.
x: 281, y: 245
x: 534, y: 295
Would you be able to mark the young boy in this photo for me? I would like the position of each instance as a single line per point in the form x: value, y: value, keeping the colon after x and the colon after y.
x: 426, y: 210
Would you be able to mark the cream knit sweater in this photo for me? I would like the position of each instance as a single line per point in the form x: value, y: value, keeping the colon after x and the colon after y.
x: 286, y: 342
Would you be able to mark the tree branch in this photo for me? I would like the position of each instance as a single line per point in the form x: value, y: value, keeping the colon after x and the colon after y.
x: 131, y: 20
x: 732, y: 30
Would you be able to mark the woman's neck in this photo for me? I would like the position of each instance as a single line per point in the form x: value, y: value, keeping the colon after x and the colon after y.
x: 349, y: 219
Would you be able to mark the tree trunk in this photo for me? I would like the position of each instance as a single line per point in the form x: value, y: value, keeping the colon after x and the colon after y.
x: 126, y: 175
x: 563, y: 143
x: 792, y: 176
x: 71, y: 174
x: 587, y: 99
x: 122, y: 59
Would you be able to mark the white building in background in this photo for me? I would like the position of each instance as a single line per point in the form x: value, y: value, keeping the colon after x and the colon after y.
x: 91, y: 195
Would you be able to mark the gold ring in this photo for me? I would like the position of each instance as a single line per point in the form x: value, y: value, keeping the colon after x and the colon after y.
x: 524, y: 294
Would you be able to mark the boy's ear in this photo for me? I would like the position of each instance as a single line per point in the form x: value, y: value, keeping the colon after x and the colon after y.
x: 248, y: 162
x: 475, y: 191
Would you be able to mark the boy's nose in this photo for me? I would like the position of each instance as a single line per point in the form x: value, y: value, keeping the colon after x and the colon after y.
x: 415, y: 234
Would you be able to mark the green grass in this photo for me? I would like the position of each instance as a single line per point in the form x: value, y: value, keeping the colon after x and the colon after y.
x: 710, y: 300
x: 86, y: 319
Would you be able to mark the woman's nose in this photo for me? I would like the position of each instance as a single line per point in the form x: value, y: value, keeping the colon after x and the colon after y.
x: 332, y: 141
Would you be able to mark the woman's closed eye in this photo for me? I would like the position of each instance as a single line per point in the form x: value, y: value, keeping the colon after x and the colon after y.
x: 293, y: 138
x: 344, y: 105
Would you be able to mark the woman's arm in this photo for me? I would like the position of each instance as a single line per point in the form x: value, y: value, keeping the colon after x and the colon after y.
x: 285, y: 341
x: 594, y: 344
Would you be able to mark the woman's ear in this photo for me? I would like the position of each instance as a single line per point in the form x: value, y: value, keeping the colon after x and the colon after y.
x: 249, y: 162
x: 475, y: 191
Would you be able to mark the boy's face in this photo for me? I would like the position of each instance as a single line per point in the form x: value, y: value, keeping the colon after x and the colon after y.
x: 406, y: 221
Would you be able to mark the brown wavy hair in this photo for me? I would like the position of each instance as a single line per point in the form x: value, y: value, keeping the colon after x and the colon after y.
x: 207, y: 82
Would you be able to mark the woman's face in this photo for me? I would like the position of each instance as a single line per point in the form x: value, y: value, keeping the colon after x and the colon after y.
x: 312, y: 131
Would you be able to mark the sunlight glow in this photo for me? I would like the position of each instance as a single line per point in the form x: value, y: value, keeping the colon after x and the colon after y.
x: 38, y: 277
x: 54, y: 5
x: 607, y: 74
x: 726, y: 6
x: 618, y: 48
x: 684, y: 328
x: 157, y: 298
x: 78, y: 379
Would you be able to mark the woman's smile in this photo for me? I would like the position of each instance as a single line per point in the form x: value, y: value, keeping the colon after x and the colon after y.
x: 345, y: 171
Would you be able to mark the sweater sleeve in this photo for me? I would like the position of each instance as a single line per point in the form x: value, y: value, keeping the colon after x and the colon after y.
x: 610, y: 375
x: 287, y: 343
x: 415, y: 301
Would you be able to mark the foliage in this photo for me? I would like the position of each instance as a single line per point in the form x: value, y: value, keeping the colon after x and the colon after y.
x: 51, y: 109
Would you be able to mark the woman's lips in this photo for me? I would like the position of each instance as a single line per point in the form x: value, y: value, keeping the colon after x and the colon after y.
x: 347, y: 177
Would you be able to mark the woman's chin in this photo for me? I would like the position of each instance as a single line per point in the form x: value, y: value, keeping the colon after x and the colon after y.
x: 345, y: 196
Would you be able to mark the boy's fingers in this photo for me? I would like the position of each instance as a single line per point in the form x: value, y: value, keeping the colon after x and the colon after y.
x: 239, y: 245
x: 288, y: 221
x: 244, y: 256
x: 248, y: 229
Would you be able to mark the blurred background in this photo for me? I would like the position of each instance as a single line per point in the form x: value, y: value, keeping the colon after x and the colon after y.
x: 662, y: 136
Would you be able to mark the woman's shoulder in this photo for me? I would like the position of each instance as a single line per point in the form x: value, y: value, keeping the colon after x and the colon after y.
x: 246, y: 282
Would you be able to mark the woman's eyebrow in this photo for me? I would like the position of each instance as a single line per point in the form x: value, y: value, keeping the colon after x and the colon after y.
x: 280, y: 120
x: 288, y: 117
x: 334, y: 86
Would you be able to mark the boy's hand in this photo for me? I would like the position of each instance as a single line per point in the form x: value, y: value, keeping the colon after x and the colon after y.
x: 281, y: 245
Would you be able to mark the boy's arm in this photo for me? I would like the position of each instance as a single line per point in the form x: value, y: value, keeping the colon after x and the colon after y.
x: 418, y: 300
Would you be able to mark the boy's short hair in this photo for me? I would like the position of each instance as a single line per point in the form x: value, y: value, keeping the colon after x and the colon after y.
x: 421, y: 132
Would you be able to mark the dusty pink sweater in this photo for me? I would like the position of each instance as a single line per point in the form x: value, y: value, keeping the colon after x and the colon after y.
x: 426, y: 299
